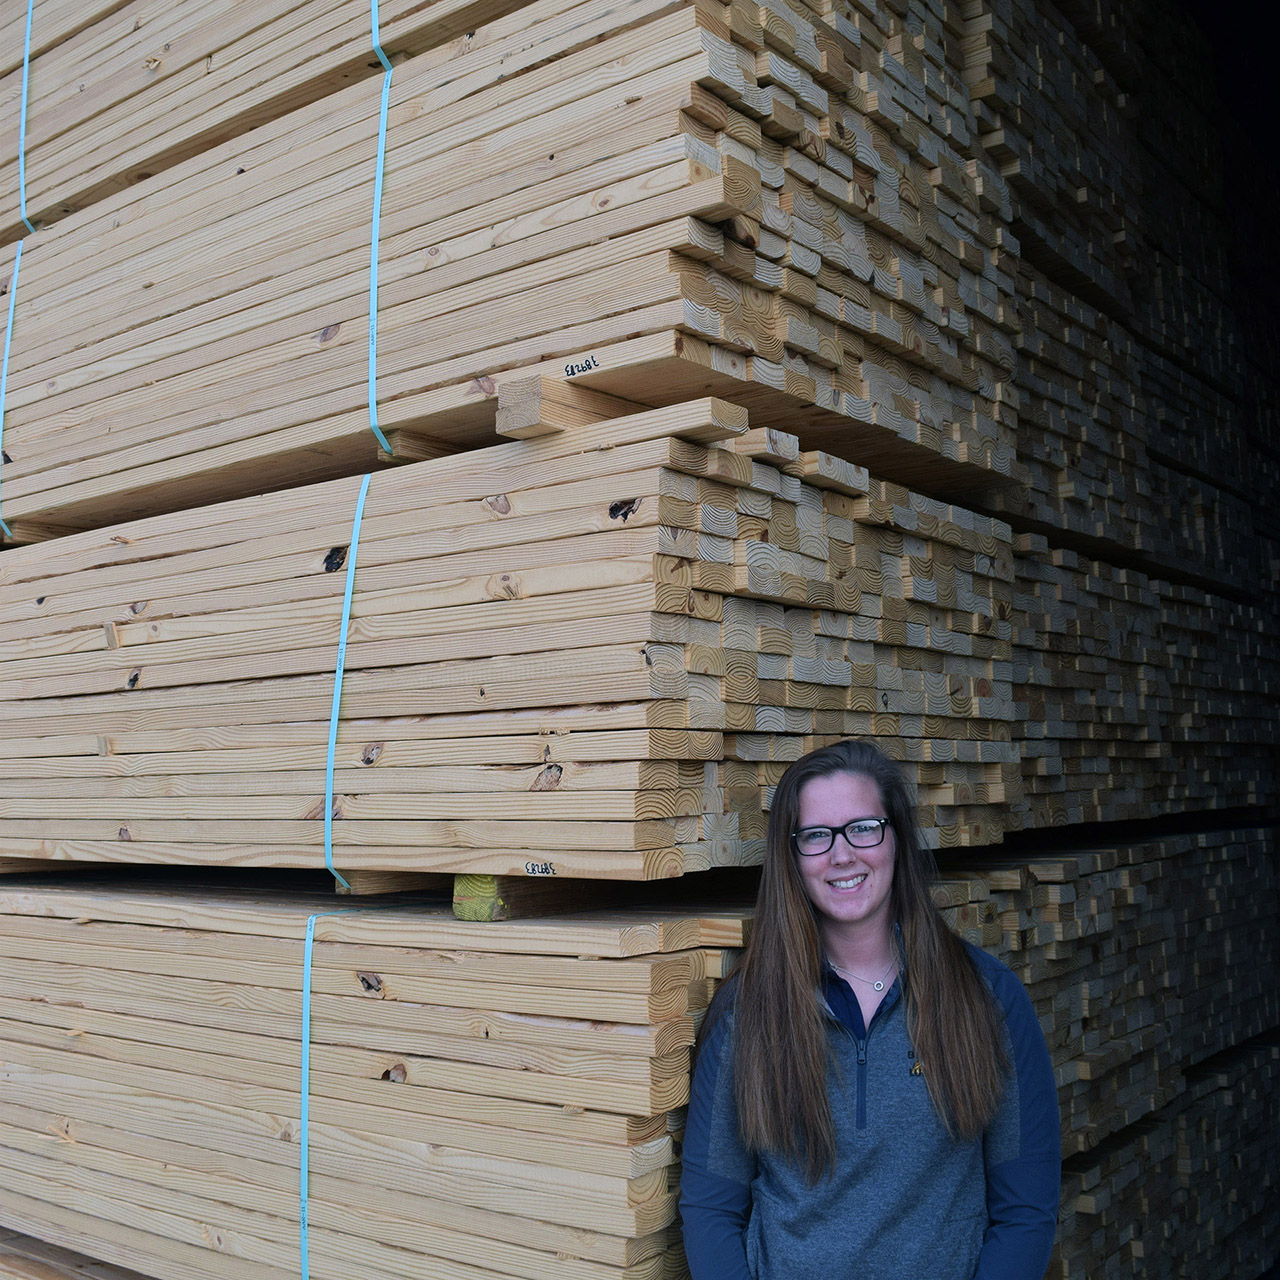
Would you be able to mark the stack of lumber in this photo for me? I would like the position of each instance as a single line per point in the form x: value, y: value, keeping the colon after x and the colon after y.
x: 1126, y: 451
x: 1083, y: 447
x: 655, y: 170
x: 1119, y: 1209
x: 119, y: 91
x: 1102, y: 121
x: 1228, y: 1162
x: 1189, y: 1192
x: 1091, y: 688
x: 1141, y: 960
x: 484, y: 1101
x: 1138, y: 696
x: 546, y: 650
x: 1057, y: 125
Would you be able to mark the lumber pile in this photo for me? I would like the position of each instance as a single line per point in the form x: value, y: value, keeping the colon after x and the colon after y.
x: 1056, y: 124
x: 120, y: 91
x: 584, y: 662
x: 756, y: 374
x: 483, y: 1100
x: 659, y: 170
x: 1142, y: 960
x: 1190, y: 1192
x: 1137, y: 697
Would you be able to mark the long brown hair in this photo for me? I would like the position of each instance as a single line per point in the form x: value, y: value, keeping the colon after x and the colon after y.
x: 780, y: 1039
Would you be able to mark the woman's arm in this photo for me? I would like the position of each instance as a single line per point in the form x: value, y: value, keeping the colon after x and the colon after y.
x: 1023, y: 1150
x: 715, y: 1181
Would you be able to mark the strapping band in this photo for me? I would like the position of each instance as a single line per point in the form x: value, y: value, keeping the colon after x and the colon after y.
x: 377, y: 221
x: 339, y: 668
x: 22, y: 120
x: 304, y: 1113
x: 22, y: 208
x: 4, y: 360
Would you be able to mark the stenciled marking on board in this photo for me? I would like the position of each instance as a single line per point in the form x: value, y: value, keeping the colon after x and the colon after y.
x: 584, y: 366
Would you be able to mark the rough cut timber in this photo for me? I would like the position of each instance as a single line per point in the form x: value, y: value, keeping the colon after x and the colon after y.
x: 203, y: 334
x: 588, y: 654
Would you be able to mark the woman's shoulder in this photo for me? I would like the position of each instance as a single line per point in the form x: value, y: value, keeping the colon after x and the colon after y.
x: 717, y: 1022
x: 1005, y: 985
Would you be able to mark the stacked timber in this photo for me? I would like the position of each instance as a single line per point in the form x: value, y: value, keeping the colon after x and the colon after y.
x: 1057, y: 126
x: 482, y: 1101
x: 1138, y: 696
x: 661, y: 170
x: 119, y: 91
x: 1227, y: 1161
x: 561, y: 659
x: 1083, y: 447
x: 1134, y: 957
x: 1189, y: 1192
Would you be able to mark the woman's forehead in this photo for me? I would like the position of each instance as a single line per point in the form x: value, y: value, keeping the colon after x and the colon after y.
x: 842, y: 796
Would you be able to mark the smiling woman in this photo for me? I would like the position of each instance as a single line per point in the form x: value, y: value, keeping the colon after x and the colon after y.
x: 872, y: 1097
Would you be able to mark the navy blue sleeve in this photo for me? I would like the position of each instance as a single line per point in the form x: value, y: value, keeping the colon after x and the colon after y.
x: 1023, y: 1147
x: 715, y: 1180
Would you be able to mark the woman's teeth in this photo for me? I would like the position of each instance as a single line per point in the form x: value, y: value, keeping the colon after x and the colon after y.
x: 848, y: 884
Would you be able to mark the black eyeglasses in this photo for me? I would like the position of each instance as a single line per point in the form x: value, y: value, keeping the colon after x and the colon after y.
x: 861, y: 833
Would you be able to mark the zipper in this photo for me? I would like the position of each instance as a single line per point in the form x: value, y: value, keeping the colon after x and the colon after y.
x: 862, y: 1083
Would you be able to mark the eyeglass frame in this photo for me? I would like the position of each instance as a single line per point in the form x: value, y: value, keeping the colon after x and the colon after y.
x: 838, y: 831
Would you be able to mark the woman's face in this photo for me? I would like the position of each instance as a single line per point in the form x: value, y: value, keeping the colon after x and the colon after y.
x: 849, y: 887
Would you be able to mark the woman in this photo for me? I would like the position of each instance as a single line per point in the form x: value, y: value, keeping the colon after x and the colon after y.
x: 873, y: 1097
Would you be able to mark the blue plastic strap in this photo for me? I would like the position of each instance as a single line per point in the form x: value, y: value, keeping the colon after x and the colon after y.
x: 304, y: 1112
x: 377, y: 221
x: 22, y: 121
x: 4, y: 361
x: 339, y: 668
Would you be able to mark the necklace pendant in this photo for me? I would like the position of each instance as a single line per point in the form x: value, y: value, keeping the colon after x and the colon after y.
x: 880, y: 985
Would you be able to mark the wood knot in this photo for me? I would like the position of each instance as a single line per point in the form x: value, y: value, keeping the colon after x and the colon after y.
x: 370, y: 984
x: 548, y: 779
x: 335, y: 559
x: 624, y: 508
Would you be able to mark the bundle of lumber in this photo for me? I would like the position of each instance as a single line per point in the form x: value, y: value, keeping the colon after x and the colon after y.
x: 1141, y: 960
x: 1137, y: 696
x: 650, y: 171
x: 1058, y: 127
x: 570, y: 655
x: 1080, y: 443
x: 483, y: 1101
x: 119, y: 90
x: 1119, y: 1207
x: 1224, y: 676
x: 1126, y: 452
x: 1189, y: 1192
x: 1227, y: 1162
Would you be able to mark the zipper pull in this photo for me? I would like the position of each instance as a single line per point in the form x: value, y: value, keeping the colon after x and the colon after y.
x: 862, y: 1052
